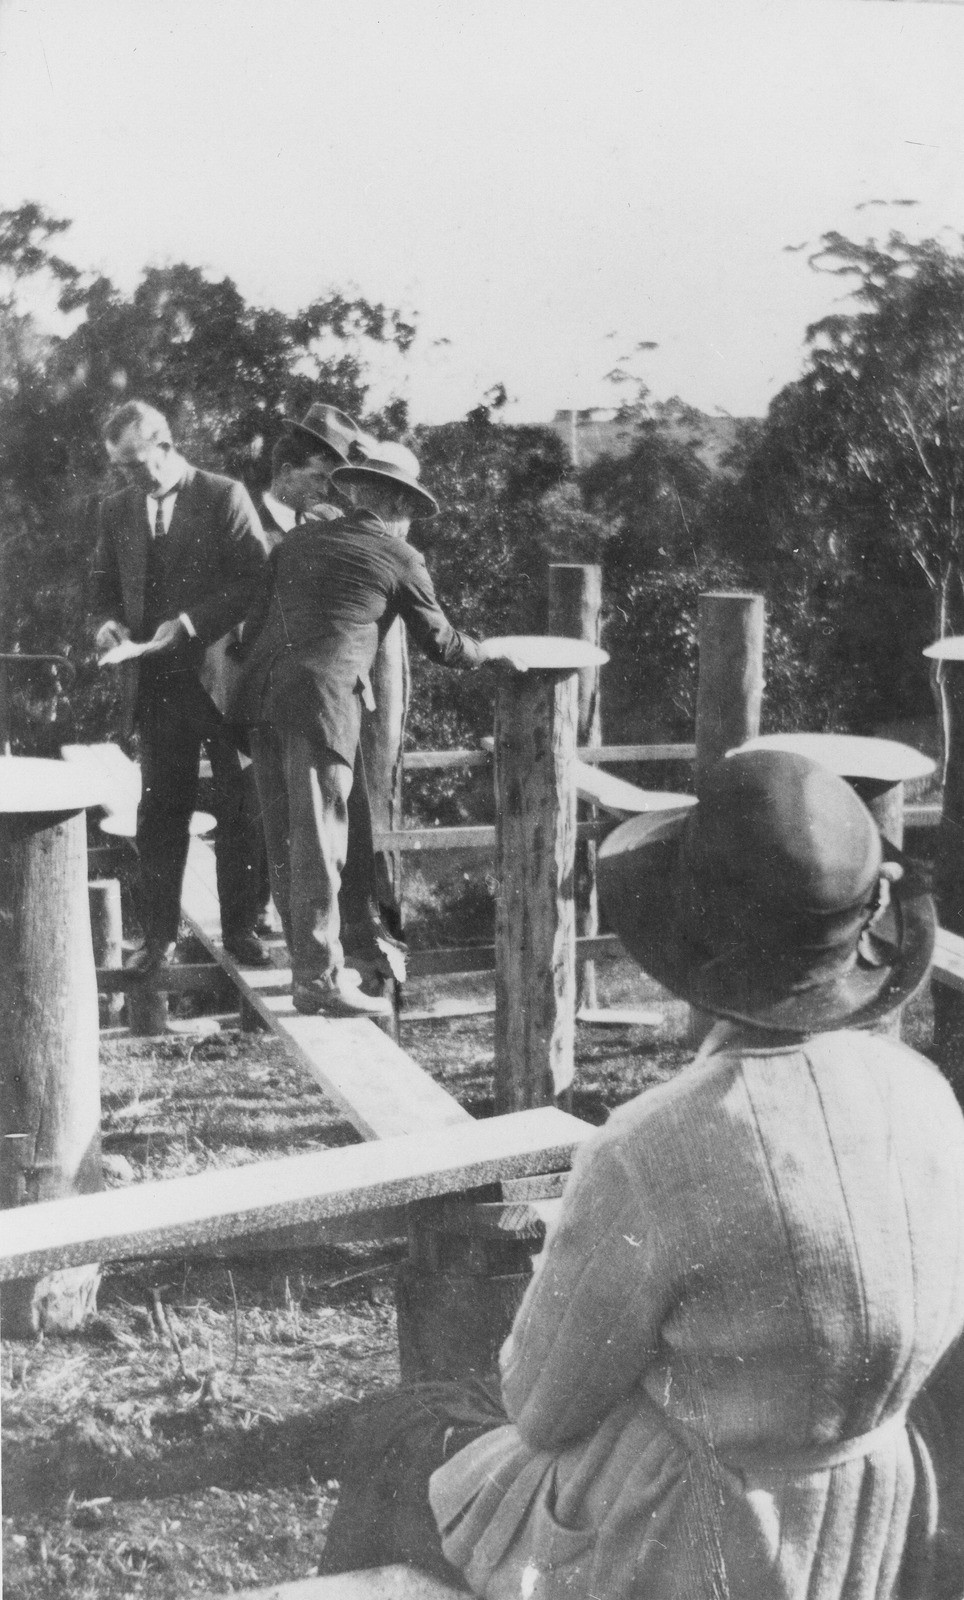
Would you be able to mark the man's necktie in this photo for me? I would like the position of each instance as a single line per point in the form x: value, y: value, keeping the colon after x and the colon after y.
x: 155, y: 607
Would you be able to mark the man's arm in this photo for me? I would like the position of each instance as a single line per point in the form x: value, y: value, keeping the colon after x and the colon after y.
x: 260, y: 605
x: 426, y: 621
x: 241, y: 554
x: 589, y: 1324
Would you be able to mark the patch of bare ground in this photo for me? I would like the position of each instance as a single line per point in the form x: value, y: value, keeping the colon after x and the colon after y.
x: 189, y: 1441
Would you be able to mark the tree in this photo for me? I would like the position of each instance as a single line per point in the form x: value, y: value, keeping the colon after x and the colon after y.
x: 226, y: 373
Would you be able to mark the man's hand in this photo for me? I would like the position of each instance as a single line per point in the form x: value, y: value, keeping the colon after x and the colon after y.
x: 496, y: 653
x: 168, y: 635
x: 110, y: 634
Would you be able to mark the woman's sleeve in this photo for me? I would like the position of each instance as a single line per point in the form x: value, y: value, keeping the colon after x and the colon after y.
x: 589, y: 1324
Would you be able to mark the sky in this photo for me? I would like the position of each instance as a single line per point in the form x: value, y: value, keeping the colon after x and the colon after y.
x: 547, y: 184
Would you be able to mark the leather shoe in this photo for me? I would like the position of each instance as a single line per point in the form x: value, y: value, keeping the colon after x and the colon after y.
x: 247, y: 950
x: 338, y: 994
x: 150, y: 957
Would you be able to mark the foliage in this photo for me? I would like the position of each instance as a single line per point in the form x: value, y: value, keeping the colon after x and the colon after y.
x: 848, y: 498
x: 488, y: 551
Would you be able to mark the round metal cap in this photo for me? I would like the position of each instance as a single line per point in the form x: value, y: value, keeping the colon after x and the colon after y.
x: 547, y: 652
x: 29, y: 784
x: 948, y: 649
x: 850, y: 755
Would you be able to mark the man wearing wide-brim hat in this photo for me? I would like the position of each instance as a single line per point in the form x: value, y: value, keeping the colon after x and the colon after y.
x: 333, y: 591
x: 302, y: 460
x: 758, y: 1264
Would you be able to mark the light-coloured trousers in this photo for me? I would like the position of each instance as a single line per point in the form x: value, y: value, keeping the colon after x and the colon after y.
x: 303, y: 787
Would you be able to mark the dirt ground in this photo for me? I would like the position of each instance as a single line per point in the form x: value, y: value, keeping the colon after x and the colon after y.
x: 188, y: 1442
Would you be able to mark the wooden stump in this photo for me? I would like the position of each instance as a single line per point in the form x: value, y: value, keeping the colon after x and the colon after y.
x: 49, y: 1075
x: 147, y: 1009
x: 949, y: 874
x: 535, y: 922
x: 575, y: 612
x: 730, y: 689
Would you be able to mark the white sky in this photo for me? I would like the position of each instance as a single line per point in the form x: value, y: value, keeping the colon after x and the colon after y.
x: 544, y: 181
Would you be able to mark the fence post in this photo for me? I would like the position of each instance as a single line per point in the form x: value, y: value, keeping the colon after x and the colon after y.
x: 49, y: 1073
x: 729, y: 693
x: 949, y: 873
x: 535, y: 923
x: 575, y: 611
x: 104, y: 895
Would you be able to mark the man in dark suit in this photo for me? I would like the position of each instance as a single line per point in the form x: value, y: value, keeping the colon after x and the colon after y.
x: 333, y: 590
x: 302, y: 461
x: 179, y: 556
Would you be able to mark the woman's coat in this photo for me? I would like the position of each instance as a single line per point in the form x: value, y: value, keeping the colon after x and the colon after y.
x: 755, y: 1269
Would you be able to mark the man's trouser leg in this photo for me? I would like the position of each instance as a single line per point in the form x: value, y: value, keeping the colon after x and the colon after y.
x: 267, y: 752
x: 236, y: 840
x: 170, y: 749
x: 359, y: 884
x: 318, y: 783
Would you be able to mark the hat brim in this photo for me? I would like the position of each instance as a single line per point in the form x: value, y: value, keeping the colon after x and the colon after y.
x: 638, y: 871
x: 331, y: 454
x: 426, y: 503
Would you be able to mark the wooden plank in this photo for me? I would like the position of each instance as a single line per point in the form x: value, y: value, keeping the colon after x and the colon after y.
x: 618, y: 1017
x: 927, y: 814
x: 450, y: 1010
x: 439, y: 760
x: 380, y: 1089
x: 481, y: 957
x: 120, y: 778
x: 120, y: 775
x: 614, y: 754
x: 370, y: 1227
x: 425, y: 840
x: 624, y: 799
x: 187, y: 979
x: 374, y: 1583
x: 232, y: 1203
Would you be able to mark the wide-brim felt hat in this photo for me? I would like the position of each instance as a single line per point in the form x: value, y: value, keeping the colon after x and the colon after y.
x: 773, y: 901
x: 388, y: 472
x: 335, y: 430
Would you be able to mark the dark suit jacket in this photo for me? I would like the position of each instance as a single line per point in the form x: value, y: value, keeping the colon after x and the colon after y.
x: 215, y: 557
x: 333, y: 590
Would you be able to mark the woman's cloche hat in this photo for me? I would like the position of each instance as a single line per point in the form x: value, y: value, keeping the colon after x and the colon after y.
x: 773, y: 901
x: 395, y: 465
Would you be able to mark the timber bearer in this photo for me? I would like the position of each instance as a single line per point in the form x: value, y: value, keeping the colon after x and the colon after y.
x: 333, y: 590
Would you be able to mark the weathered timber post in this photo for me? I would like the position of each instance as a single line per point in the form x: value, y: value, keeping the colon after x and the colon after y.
x: 49, y: 1076
x: 575, y: 612
x: 949, y: 856
x: 535, y: 923
x: 146, y: 1008
x: 729, y: 693
x: 877, y: 770
x: 106, y: 930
